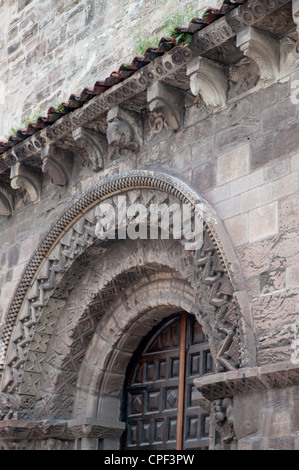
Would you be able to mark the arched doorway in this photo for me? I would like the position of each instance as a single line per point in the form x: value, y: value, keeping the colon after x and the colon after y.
x: 161, y: 406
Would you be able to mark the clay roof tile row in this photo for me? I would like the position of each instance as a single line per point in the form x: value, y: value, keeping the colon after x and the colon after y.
x: 125, y: 70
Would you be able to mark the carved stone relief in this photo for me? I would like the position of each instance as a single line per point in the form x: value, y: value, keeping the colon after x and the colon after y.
x: 242, y: 77
x: 167, y: 102
x: 93, y: 144
x: 41, y: 308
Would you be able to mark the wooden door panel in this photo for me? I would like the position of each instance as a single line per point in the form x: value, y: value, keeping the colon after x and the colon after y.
x: 153, y: 390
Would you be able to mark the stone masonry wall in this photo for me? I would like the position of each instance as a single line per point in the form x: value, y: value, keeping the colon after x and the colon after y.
x: 244, y: 160
x: 246, y: 164
x: 50, y: 49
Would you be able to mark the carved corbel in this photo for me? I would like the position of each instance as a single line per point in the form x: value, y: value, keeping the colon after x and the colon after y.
x: 263, y: 49
x: 295, y: 11
x: 6, y: 202
x: 25, y: 177
x: 93, y: 144
x: 289, y: 54
x: 166, y: 101
x: 124, y: 129
x: 210, y: 80
x: 223, y: 416
x: 57, y: 164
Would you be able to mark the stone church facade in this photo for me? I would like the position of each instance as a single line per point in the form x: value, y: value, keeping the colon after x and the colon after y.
x: 132, y: 342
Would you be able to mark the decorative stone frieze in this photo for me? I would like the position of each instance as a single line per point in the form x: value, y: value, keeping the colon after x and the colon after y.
x: 235, y: 21
x: 166, y: 101
x: 208, y: 79
x: 53, y: 434
x: 93, y: 144
x: 6, y: 202
x: 57, y: 163
x: 27, y: 178
x: 263, y: 49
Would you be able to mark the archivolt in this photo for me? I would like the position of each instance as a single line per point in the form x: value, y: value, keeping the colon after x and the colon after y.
x: 214, y: 270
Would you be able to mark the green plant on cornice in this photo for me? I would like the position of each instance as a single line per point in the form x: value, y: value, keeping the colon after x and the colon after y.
x: 59, y: 106
x: 167, y: 29
x: 32, y: 118
x: 24, y: 123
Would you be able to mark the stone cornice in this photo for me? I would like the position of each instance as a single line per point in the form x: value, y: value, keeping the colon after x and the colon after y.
x: 159, y: 69
x: 248, y: 380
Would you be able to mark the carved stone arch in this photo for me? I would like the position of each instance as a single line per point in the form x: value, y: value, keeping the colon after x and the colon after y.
x: 37, y: 300
x: 83, y: 356
x: 106, y: 376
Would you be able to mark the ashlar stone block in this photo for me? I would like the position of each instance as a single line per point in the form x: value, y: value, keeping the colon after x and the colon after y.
x: 263, y: 222
x: 233, y: 165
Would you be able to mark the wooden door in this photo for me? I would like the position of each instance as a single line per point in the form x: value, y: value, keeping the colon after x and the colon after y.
x: 161, y: 409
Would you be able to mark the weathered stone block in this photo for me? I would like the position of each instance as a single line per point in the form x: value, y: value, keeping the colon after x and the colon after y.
x: 233, y: 165
x: 203, y: 177
x: 277, y: 169
x: 295, y: 162
x: 248, y: 418
x: 228, y: 208
x: 255, y: 197
x: 287, y: 140
x: 237, y: 228
x: 22, y: 4
x: 262, y: 150
x: 292, y: 276
x: 274, y: 317
x: 272, y: 280
x: 284, y: 249
x: 284, y: 186
x: 277, y: 115
x: 263, y: 222
x: 247, y: 182
x: 289, y: 213
x: 236, y: 134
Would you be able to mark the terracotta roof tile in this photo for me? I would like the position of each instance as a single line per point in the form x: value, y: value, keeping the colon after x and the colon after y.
x: 125, y: 70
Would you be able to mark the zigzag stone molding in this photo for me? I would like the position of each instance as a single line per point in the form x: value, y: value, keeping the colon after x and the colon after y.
x: 38, y: 279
